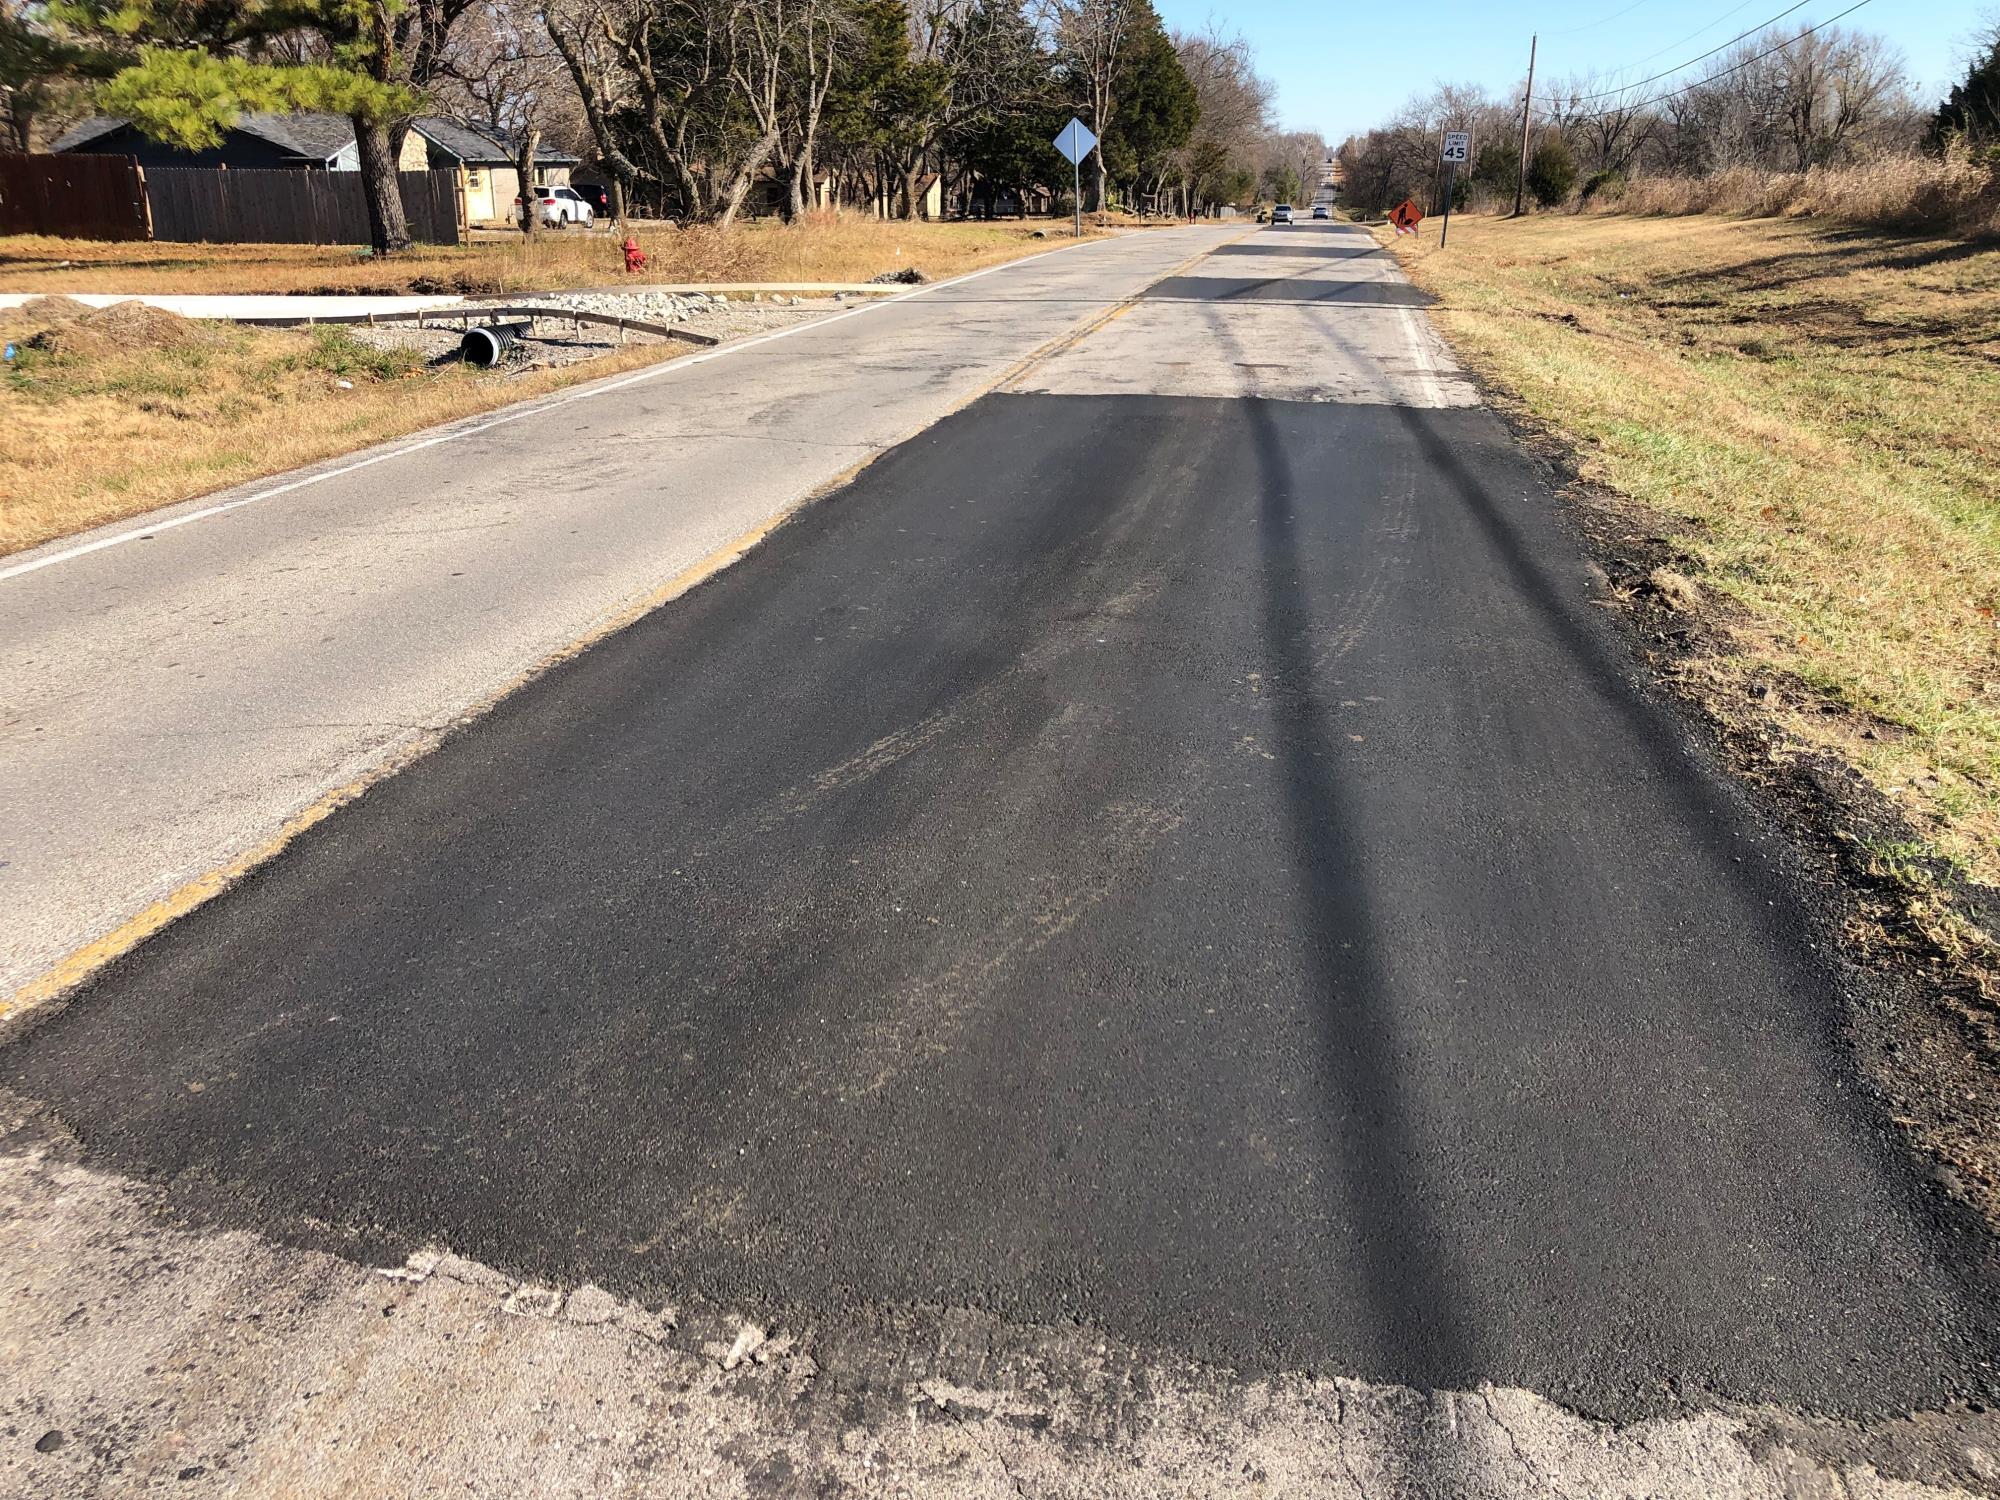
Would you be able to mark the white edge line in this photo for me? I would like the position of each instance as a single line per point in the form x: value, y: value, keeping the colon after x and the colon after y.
x: 531, y: 409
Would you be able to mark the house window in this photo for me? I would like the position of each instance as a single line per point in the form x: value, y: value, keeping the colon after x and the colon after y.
x: 472, y: 179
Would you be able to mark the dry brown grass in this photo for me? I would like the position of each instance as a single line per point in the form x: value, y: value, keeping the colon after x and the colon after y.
x: 93, y: 436
x: 1956, y: 193
x: 1814, y: 414
x: 826, y: 247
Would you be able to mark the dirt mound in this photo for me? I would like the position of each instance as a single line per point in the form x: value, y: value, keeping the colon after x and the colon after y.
x: 908, y: 276
x: 121, y: 328
x: 47, y: 312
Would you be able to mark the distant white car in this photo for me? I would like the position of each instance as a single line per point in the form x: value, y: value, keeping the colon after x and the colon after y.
x: 1282, y: 214
x: 561, y: 206
x: 1319, y: 211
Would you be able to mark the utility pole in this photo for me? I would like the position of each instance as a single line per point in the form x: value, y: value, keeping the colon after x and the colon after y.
x: 1527, y: 114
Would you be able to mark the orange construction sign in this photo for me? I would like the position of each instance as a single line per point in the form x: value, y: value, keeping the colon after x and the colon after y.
x: 1405, y: 216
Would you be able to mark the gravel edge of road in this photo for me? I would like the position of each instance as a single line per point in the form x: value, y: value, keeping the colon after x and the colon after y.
x: 331, y: 1376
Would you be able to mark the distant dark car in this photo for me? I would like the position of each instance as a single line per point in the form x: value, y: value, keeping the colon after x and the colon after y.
x: 595, y: 194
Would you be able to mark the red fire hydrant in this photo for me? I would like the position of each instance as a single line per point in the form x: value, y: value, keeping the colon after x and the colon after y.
x: 635, y: 258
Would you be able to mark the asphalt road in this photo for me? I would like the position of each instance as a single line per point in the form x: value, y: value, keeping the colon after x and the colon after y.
x: 1173, y: 847
x: 175, y: 689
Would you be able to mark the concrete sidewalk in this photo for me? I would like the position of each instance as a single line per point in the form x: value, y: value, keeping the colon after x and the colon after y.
x: 183, y: 686
x: 281, y: 307
x: 243, y: 306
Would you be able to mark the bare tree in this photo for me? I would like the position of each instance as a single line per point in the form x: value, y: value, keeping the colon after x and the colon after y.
x: 1607, y: 126
x: 503, y: 71
x: 586, y: 36
x: 816, y: 49
x: 1090, y: 34
x: 1234, y: 117
x: 1837, y: 86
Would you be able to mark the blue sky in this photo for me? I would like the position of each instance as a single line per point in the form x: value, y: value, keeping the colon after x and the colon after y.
x: 1342, y: 69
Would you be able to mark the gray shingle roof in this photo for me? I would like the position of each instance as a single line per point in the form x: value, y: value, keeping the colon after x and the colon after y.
x: 86, y: 132
x: 311, y: 134
x: 317, y: 136
x: 478, y: 146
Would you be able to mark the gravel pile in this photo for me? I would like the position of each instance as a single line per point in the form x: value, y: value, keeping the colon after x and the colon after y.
x: 555, y: 341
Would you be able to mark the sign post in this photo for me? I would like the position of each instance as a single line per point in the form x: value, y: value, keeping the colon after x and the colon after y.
x: 1075, y: 142
x: 1457, y: 148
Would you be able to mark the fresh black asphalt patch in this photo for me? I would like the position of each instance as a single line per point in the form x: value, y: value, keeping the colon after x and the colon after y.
x: 1304, y: 249
x: 1286, y: 288
x: 1200, y: 868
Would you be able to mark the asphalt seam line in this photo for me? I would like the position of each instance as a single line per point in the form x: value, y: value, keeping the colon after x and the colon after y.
x: 36, y: 998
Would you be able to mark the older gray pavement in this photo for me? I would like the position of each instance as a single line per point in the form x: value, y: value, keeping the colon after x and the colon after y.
x: 171, y: 701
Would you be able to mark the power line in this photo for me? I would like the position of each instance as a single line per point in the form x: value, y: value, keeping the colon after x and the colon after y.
x: 1675, y: 46
x: 1711, y: 77
x: 1607, y: 20
x: 1677, y: 67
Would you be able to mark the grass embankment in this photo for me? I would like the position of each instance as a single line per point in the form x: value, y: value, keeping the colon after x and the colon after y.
x: 826, y: 248
x: 1813, y: 416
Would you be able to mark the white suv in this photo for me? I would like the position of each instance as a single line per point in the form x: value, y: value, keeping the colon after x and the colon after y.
x: 1282, y: 214
x: 561, y: 206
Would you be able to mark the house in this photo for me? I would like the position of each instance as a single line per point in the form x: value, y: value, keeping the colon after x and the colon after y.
x: 256, y: 141
x: 483, y: 158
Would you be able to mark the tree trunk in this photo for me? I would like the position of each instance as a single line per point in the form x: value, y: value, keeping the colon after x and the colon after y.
x: 693, y: 201
x: 524, y: 168
x: 388, y: 231
x: 1103, y: 183
x: 910, y: 175
x: 618, y: 201
x: 795, y: 197
x: 21, y: 121
x: 746, y: 175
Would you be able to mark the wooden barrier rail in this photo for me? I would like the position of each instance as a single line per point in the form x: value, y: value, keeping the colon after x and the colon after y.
x: 425, y: 316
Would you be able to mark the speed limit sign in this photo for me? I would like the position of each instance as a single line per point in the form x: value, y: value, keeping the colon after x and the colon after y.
x: 1457, y: 145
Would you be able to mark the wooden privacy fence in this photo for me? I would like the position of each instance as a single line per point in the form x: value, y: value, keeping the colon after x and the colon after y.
x: 110, y: 198
x: 225, y: 206
x: 78, y: 197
